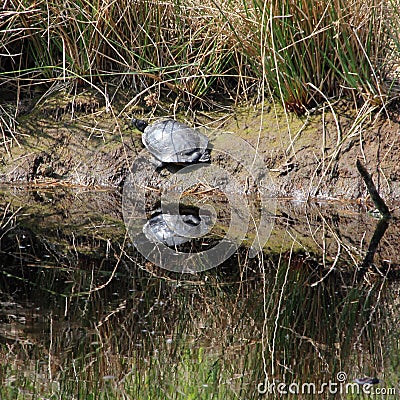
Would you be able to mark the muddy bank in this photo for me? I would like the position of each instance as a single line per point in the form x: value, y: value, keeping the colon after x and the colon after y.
x: 75, y: 140
x: 66, y: 226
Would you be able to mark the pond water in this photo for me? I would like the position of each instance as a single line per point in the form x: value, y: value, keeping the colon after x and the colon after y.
x: 85, y: 316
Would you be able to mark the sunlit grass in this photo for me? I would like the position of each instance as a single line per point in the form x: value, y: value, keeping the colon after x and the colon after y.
x: 334, y: 46
x: 199, y: 50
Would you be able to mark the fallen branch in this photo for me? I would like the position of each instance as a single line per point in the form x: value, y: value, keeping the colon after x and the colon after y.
x: 376, y: 198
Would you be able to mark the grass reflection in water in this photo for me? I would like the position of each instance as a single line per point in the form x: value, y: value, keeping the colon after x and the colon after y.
x: 83, y: 316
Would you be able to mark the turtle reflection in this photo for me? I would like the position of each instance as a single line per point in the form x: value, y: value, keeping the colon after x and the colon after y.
x: 174, y: 230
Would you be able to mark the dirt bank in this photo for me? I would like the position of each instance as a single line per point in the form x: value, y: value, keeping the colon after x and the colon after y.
x: 74, y: 139
x: 63, y: 225
x: 316, y: 157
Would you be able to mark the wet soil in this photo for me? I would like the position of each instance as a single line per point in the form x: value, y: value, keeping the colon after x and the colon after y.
x: 76, y: 140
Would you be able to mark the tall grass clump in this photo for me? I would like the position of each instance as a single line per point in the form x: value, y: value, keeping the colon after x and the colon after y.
x: 310, y: 50
x: 301, y: 52
x: 150, y: 45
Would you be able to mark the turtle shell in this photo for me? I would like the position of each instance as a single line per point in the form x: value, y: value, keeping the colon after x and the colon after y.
x: 173, y: 142
x: 157, y: 228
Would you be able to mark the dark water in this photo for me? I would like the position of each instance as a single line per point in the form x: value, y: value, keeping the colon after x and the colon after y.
x: 84, y: 316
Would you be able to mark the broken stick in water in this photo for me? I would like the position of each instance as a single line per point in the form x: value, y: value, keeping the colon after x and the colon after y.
x: 376, y: 198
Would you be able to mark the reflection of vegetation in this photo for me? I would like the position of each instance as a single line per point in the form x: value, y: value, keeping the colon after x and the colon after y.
x: 91, y: 319
x: 143, y: 337
x: 380, y: 230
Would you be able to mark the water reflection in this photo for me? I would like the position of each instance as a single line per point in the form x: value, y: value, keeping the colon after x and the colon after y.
x: 173, y: 230
x: 368, y: 260
x: 84, y: 316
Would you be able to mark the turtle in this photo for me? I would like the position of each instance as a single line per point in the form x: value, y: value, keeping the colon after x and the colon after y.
x: 367, y: 380
x: 158, y: 228
x: 172, y: 142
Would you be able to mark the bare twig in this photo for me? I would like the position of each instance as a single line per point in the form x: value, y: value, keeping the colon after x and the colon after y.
x: 376, y: 198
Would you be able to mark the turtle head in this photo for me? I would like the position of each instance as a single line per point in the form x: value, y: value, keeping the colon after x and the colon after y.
x: 139, y: 124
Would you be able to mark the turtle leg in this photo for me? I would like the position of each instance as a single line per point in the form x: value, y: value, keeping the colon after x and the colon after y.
x: 206, y: 156
x: 158, y: 165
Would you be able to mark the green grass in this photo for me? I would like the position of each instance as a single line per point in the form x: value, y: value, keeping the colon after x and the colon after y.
x: 198, y: 51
